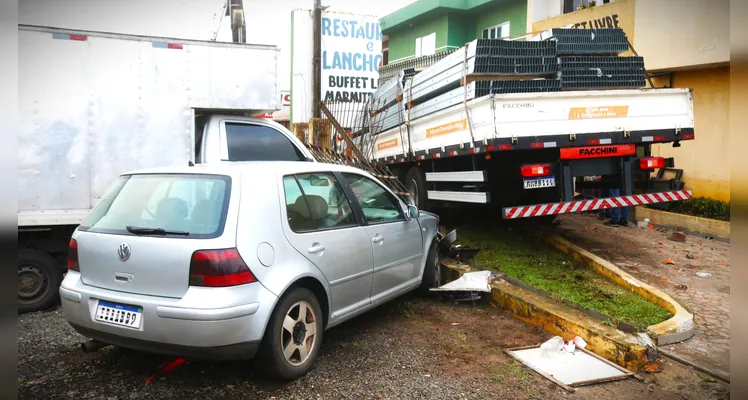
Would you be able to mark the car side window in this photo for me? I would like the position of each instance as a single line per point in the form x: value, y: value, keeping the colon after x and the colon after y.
x: 377, y: 203
x: 316, y: 201
x: 247, y: 142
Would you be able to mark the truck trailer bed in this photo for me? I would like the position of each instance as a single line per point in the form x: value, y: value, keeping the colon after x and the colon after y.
x: 541, y: 120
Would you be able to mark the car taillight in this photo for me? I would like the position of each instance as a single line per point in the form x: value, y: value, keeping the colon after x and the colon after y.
x: 529, y: 171
x: 219, y: 268
x: 651, y: 162
x: 73, y: 256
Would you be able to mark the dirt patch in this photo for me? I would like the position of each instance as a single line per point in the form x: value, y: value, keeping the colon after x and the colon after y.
x: 469, y: 340
x: 643, y: 253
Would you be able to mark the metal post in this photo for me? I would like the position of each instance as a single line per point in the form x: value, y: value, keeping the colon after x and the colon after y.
x: 316, y: 57
x: 567, y: 180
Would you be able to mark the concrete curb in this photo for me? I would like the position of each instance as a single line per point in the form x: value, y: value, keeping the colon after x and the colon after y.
x: 704, y: 226
x: 562, y: 320
x: 676, y: 329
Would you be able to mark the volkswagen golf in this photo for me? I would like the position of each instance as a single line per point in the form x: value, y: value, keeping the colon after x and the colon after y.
x: 243, y: 260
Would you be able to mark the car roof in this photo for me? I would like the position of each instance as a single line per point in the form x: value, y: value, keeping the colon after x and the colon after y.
x: 234, y: 167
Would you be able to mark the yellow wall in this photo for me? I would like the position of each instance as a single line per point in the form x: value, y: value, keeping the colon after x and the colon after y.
x: 679, y: 34
x: 705, y: 161
x: 692, y: 38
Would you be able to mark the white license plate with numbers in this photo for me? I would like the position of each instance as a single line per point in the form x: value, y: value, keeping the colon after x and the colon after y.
x: 119, y: 314
x: 536, y: 183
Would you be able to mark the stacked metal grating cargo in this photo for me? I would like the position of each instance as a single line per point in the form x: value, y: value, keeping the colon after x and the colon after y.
x: 601, y: 72
x: 484, y: 88
x: 589, y: 41
x: 501, y: 65
x: 392, y: 70
x: 484, y: 57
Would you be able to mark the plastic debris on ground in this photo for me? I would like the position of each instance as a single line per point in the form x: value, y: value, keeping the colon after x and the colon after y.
x: 568, y: 363
x: 703, y: 274
x: 476, y: 281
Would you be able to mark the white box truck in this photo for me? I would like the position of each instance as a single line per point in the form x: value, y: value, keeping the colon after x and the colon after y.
x: 93, y: 105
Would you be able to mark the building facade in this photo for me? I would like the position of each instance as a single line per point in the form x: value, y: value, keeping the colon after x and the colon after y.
x: 428, y: 27
x: 685, y: 44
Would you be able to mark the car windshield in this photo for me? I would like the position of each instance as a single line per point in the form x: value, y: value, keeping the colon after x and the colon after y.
x: 179, y: 205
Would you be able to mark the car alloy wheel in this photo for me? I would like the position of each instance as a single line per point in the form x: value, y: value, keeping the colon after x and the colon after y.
x: 299, y: 333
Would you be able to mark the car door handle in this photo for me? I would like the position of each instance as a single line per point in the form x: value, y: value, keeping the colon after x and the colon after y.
x: 316, y: 248
x: 377, y: 238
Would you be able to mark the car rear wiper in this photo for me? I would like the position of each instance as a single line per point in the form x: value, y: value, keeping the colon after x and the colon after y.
x: 154, y: 231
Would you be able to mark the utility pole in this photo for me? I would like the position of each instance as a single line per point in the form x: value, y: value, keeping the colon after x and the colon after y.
x: 316, y: 58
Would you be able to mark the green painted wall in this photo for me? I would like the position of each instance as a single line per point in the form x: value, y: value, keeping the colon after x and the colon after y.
x: 461, y: 29
x: 403, y: 41
x: 455, y: 27
x: 514, y: 11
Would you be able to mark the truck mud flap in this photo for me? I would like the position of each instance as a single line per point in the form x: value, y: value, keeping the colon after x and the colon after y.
x: 539, y: 210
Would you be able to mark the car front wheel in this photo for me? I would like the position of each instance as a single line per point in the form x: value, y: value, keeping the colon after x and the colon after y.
x: 293, y: 336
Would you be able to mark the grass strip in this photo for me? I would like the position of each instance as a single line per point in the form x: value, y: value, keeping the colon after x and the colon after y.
x: 537, y: 264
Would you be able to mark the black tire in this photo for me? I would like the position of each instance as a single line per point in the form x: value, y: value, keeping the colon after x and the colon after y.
x: 415, y: 183
x: 432, y: 270
x: 270, y: 358
x: 39, y: 278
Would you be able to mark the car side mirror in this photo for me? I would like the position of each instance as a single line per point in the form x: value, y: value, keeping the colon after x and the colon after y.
x: 413, y: 212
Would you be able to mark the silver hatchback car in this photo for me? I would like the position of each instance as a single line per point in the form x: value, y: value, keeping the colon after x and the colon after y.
x: 243, y: 260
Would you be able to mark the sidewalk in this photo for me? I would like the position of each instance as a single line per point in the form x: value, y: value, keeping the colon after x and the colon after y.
x: 642, y: 252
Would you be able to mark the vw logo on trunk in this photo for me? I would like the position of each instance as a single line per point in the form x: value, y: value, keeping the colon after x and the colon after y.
x: 123, y: 252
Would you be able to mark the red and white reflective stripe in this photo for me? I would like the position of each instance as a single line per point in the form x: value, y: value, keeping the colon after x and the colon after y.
x: 600, y: 141
x: 542, y: 145
x: 594, y: 204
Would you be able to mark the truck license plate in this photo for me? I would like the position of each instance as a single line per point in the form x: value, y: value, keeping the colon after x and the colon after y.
x: 536, y: 183
x: 119, y: 314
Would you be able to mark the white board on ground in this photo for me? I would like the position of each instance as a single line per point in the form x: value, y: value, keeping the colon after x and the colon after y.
x: 570, y: 368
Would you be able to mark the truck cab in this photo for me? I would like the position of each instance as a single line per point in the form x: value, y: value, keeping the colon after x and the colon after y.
x: 225, y: 137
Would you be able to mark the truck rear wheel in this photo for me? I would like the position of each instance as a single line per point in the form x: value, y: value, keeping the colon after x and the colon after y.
x: 39, y: 279
x: 415, y: 184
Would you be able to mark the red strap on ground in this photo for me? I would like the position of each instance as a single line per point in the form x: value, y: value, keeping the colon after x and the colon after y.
x: 179, y: 361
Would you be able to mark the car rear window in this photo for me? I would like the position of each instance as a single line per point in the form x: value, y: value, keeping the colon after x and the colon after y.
x: 183, y: 205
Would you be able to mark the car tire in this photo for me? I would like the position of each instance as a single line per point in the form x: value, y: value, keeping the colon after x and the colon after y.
x: 39, y: 278
x: 432, y: 270
x: 272, y: 360
x: 415, y: 184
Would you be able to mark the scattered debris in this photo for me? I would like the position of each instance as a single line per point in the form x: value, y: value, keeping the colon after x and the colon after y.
x: 681, y: 287
x: 476, y: 281
x: 668, y: 262
x: 702, y: 274
x: 652, y: 367
x: 568, y: 369
x: 690, y: 255
x: 678, y: 237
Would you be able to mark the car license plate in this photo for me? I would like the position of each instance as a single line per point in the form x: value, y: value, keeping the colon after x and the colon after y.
x: 536, y: 183
x: 119, y: 314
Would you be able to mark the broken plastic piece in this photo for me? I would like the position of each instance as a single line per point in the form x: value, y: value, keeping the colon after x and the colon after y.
x: 668, y: 262
x: 476, y: 281
x: 552, y: 346
x: 570, y: 347
x: 579, y: 342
